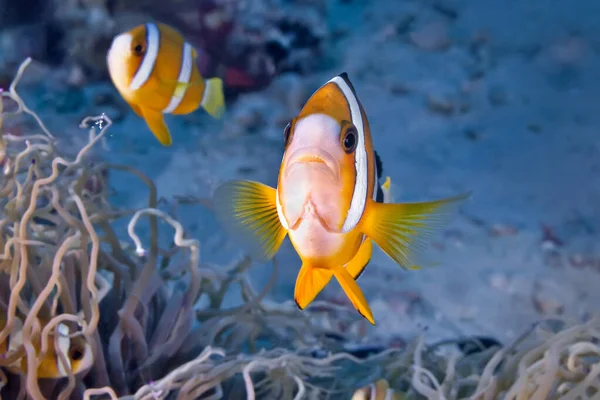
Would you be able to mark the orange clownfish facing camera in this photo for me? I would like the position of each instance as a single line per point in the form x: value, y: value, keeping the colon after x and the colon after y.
x: 155, y: 71
x: 328, y: 200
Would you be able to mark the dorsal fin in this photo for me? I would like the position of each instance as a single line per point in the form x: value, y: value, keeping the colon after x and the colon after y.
x: 379, y: 165
x: 344, y: 76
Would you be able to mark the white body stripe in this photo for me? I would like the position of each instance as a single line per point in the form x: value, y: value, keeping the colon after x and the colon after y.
x: 185, y: 74
x: 359, y: 198
x: 147, y: 65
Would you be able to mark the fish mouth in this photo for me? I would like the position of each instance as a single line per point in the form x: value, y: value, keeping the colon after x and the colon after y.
x: 317, y: 157
x: 312, y: 213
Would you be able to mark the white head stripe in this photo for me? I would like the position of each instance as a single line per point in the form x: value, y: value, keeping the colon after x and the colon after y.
x: 185, y: 74
x: 359, y: 198
x: 147, y: 65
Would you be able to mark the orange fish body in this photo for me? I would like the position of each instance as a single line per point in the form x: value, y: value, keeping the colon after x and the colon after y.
x: 328, y: 200
x: 77, y: 352
x: 154, y: 69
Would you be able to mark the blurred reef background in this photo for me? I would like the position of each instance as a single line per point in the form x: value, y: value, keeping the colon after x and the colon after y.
x: 109, y: 249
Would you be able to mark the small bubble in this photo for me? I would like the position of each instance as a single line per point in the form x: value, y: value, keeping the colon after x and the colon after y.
x: 140, y: 252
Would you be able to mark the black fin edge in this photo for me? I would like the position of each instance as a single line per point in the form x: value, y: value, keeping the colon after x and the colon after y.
x: 344, y: 76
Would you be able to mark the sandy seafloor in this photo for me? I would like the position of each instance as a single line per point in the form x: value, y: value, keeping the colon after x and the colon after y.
x: 523, y: 137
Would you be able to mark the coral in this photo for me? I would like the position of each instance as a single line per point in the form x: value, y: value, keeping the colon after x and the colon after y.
x: 140, y: 321
x: 85, y: 313
x: 553, y: 359
x: 136, y: 319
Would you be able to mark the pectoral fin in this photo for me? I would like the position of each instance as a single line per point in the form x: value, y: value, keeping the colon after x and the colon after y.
x: 156, y: 123
x: 403, y: 230
x: 248, y: 211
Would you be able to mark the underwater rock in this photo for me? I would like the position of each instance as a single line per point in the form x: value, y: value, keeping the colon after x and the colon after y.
x: 19, y: 42
x: 497, y: 96
x: 16, y: 13
x: 432, y: 36
x: 569, y: 51
x: 252, y: 42
x: 441, y: 104
x: 547, y: 299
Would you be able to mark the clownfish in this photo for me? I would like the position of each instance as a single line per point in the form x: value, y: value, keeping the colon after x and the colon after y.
x: 379, y: 390
x: 328, y: 200
x: 155, y: 71
x: 78, y: 353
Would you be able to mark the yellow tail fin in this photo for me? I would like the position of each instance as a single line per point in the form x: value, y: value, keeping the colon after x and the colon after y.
x: 156, y: 122
x: 214, y: 101
x: 248, y: 211
x: 402, y: 230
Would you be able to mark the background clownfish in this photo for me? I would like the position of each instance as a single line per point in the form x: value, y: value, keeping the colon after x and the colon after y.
x: 379, y: 390
x: 77, y: 352
x: 155, y: 71
x: 327, y: 200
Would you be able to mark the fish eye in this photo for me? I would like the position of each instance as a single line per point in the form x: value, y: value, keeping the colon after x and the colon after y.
x: 138, y: 50
x: 286, y: 133
x: 350, y: 140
